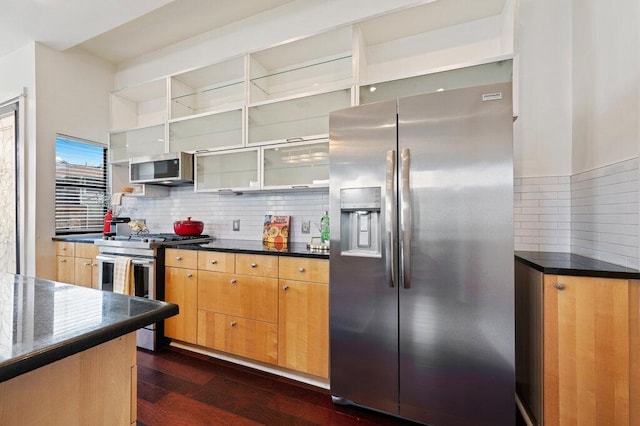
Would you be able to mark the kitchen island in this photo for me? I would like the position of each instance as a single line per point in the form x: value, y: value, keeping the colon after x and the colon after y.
x: 68, y: 353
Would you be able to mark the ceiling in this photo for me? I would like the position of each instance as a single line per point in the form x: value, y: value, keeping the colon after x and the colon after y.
x: 117, y: 29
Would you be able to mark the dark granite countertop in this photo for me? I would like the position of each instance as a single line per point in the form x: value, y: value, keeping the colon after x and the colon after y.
x: 256, y: 247
x: 44, y: 321
x: 574, y: 264
x: 79, y: 238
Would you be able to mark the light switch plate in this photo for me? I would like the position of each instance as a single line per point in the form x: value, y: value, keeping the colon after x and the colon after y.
x: 236, y: 225
x: 306, y: 227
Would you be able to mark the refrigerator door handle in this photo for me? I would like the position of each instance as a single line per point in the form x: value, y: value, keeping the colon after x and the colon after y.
x: 389, y: 215
x: 405, y: 218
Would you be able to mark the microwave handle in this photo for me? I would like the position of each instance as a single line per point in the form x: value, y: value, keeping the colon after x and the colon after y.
x: 112, y: 259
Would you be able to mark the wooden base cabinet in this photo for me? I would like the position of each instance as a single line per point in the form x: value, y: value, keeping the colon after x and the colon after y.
x: 589, y: 354
x: 76, y: 263
x: 303, y: 305
x: 181, y: 288
x: 239, y: 336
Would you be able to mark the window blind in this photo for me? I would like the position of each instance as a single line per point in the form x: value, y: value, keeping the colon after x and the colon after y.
x: 81, y: 185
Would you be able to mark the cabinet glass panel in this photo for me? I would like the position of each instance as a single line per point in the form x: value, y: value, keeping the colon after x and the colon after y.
x: 227, y: 170
x: 215, y: 87
x: 301, y: 118
x: 318, y: 63
x: 137, y: 143
x: 206, y: 132
x: 494, y: 72
x: 139, y: 106
x: 296, y: 165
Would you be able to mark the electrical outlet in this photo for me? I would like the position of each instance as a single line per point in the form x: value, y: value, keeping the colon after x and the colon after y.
x: 236, y: 225
x: 306, y: 227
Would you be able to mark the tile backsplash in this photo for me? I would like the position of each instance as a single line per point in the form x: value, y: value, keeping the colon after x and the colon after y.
x: 605, y: 213
x: 219, y: 211
x: 595, y: 213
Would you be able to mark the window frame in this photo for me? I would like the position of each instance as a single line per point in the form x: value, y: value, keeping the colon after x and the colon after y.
x: 102, y: 191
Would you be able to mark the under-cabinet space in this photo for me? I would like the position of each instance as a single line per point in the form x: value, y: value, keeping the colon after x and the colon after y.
x: 228, y: 170
x: 137, y: 143
x: 139, y: 106
x: 296, y: 119
x: 213, y: 131
x: 443, y: 34
x: 211, y: 88
x: 296, y: 165
x: 318, y: 63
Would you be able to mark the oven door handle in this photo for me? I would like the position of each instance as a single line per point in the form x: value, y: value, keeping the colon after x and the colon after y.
x: 136, y: 261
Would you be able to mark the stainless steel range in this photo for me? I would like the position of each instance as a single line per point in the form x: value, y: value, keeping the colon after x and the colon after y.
x: 147, y: 256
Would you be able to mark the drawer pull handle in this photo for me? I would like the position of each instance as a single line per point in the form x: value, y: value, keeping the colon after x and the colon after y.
x: 178, y: 258
x: 253, y: 265
x: 213, y: 262
x: 301, y: 269
x: 189, y: 275
x: 64, y: 249
x: 560, y: 286
x: 232, y: 323
x: 63, y: 261
x: 285, y: 287
x: 234, y: 281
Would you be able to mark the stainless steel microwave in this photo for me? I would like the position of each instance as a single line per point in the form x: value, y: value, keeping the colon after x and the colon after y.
x: 163, y: 169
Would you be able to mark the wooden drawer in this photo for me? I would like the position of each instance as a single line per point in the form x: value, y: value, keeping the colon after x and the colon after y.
x: 239, y: 295
x: 86, y: 250
x: 216, y: 261
x: 181, y: 258
x: 65, y: 248
x: 257, y: 264
x: 240, y: 336
x: 304, y: 269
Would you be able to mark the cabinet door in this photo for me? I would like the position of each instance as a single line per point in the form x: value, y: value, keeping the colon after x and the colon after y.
x: 296, y: 165
x: 586, y: 350
x: 228, y: 171
x: 181, y: 258
x: 83, y: 275
x: 304, y: 269
x: 65, y: 248
x: 240, y: 336
x: 181, y: 288
x: 303, y: 329
x: 86, y: 250
x: 257, y: 264
x: 239, y: 295
x: 216, y: 261
x: 65, y: 269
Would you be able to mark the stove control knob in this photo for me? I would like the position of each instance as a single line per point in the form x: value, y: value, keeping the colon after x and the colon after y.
x: 145, y: 240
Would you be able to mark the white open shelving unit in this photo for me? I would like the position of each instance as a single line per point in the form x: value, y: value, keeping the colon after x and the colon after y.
x: 260, y: 121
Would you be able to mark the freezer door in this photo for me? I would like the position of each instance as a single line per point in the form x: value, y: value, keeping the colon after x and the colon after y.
x: 457, y: 297
x: 363, y: 293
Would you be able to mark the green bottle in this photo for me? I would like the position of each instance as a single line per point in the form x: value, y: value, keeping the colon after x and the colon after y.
x: 325, y: 234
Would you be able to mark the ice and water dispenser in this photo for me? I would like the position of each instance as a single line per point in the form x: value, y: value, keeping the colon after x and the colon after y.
x: 360, y: 221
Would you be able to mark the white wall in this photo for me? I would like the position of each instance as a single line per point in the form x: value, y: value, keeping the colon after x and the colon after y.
x: 542, y: 133
x: 73, y: 99
x: 606, y: 82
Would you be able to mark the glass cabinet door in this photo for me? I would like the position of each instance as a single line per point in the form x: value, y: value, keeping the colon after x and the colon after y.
x: 299, y: 118
x: 137, y: 143
x: 228, y: 170
x: 296, y: 165
x: 215, y: 131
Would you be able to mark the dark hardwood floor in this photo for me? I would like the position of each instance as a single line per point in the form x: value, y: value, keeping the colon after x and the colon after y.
x: 177, y: 387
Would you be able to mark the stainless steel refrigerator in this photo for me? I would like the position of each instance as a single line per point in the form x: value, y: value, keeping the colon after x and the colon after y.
x: 421, y: 263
